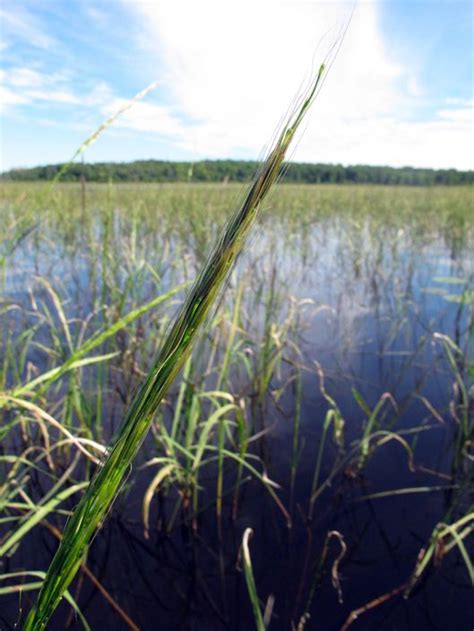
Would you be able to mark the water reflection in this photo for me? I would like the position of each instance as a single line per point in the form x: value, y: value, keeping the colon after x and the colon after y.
x: 349, y: 287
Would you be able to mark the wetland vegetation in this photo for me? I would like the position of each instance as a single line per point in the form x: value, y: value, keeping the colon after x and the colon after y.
x: 328, y: 407
x: 240, y: 171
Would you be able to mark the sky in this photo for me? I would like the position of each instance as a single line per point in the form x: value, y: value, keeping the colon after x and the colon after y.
x: 398, y: 89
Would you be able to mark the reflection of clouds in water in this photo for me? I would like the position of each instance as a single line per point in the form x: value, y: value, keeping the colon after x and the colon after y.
x: 355, y: 278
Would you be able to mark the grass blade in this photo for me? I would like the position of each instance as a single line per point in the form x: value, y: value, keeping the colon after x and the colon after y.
x: 249, y: 579
x: 176, y: 347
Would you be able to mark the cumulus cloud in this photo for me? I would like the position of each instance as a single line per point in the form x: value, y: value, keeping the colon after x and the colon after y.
x: 146, y: 117
x: 230, y: 69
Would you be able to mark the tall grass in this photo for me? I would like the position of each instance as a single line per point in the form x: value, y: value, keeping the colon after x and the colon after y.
x: 250, y: 381
x: 105, y: 485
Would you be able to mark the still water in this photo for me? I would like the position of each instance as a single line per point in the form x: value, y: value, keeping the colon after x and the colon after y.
x: 374, y: 294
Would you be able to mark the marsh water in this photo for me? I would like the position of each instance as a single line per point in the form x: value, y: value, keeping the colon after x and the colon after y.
x: 346, y: 297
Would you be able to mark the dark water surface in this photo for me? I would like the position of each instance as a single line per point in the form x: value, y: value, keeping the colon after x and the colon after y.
x: 377, y: 292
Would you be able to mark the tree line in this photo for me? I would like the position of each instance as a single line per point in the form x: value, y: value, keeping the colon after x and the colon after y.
x: 241, y: 171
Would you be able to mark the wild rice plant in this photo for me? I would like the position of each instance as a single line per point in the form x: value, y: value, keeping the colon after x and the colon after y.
x: 462, y: 406
x: 444, y: 538
x: 176, y: 347
x: 334, y: 416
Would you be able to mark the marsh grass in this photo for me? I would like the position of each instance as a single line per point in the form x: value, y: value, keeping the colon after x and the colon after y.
x: 107, y: 481
x: 201, y: 465
x: 444, y: 538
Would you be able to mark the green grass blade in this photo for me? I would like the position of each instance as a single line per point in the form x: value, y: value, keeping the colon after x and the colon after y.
x: 74, y: 361
x: 176, y: 347
x: 249, y: 579
x: 25, y: 587
x: 37, y: 515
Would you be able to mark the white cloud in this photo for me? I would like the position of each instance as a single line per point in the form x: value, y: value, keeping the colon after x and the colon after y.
x: 54, y: 96
x: 100, y: 94
x: 26, y: 86
x: 462, y: 114
x: 9, y: 98
x: 458, y: 101
x: 17, y: 23
x: 145, y: 117
x: 231, y: 68
x: 436, y: 143
x: 24, y: 77
x: 22, y: 85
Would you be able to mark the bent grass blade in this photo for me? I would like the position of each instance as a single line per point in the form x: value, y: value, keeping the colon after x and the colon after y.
x: 249, y: 579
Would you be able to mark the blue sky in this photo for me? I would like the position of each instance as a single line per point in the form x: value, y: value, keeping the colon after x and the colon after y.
x: 399, y: 92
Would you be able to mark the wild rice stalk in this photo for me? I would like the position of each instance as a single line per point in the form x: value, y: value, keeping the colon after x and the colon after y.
x: 176, y: 347
x: 102, y: 127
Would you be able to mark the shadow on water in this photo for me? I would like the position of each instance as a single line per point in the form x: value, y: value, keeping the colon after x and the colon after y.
x: 343, y: 315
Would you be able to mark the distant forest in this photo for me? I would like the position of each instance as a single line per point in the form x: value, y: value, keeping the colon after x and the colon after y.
x: 240, y: 171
